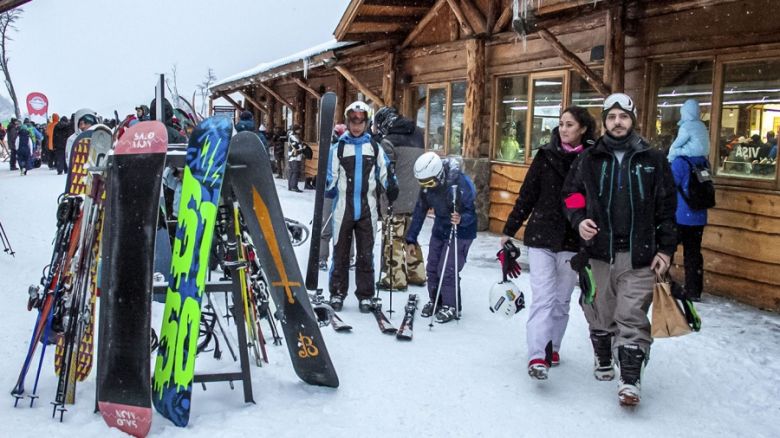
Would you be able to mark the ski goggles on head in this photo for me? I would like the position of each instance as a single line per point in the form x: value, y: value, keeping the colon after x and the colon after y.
x: 619, y: 100
x: 429, y: 183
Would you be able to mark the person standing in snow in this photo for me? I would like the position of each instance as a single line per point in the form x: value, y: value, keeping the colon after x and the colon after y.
x: 357, y: 168
x: 403, y: 143
x: 327, y: 210
x: 84, y: 120
x: 277, y: 142
x: 437, y: 179
x: 12, y: 131
x: 59, y: 139
x: 295, y: 158
x: 690, y: 148
x: 620, y: 196
x: 26, y: 139
x: 551, y: 241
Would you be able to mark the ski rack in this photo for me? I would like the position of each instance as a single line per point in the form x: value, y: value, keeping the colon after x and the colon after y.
x: 176, y: 157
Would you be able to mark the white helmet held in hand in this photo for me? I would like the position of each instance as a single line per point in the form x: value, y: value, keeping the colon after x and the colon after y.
x: 428, y: 169
x: 506, y: 299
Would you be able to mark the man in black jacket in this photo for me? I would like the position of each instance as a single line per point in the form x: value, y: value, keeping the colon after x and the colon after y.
x: 620, y: 196
x: 59, y: 140
x: 403, y: 143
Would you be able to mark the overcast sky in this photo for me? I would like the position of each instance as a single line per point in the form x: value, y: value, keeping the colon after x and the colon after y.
x: 106, y: 55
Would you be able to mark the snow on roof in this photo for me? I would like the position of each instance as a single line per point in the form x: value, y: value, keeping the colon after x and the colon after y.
x: 295, y: 57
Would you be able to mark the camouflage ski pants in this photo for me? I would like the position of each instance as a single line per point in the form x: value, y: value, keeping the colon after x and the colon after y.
x: 395, y: 260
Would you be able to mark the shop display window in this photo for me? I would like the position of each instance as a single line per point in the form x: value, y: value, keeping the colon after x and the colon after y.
x: 511, y: 115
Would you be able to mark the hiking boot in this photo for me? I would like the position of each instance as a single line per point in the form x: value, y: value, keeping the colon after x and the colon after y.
x: 632, y: 363
x: 603, y: 365
x: 556, y: 359
x: 366, y: 305
x: 537, y: 369
x: 427, y: 310
x: 445, y: 314
x: 336, y: 302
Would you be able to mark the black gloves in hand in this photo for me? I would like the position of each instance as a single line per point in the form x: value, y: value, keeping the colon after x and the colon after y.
x: 508, y: 257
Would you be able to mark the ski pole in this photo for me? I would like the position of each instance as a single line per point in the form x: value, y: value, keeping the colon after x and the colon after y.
x: 441, y: 277
x: 455, y: 258
x: 392, y: 245
x: 6, y: 243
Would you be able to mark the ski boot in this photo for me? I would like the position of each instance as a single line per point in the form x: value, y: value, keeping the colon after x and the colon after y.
x: 603, y: 365
x: 632, y: 363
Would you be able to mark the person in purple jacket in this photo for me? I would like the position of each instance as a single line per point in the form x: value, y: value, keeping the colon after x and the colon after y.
x: 690, y: 148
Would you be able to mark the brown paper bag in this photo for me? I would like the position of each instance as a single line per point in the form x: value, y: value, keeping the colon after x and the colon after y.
x: 668, y: 320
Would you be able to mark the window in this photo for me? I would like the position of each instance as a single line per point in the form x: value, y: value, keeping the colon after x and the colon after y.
x: 439, y: 114
x: 511, y: 117
x: 678, y: 82
x: 584, y: 96
x: 547, y: 107
x: 749, y: 120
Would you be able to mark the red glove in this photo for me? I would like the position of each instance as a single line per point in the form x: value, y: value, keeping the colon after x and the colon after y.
x: 509, y: 263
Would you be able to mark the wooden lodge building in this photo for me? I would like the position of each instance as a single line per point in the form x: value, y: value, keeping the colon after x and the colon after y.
x: 490, y: 89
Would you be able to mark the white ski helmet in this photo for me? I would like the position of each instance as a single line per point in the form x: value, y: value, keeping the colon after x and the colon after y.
x: 358, y: 106
x: 428, y: 169
x: 506, y: 299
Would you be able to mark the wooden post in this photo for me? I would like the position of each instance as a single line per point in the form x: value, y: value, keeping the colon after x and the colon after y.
x: 271, y: 115
x: 576, y: 63
x: 475, y: 96
x: 299, y: 109
x: 341, y: 98
x: 305, y: 85
x: 388, y: 79
x: 617, y: 66
x: 359, y: 85
x: 421, y: 25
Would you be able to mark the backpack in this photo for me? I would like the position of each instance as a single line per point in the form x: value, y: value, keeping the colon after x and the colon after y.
x: 701, y: 191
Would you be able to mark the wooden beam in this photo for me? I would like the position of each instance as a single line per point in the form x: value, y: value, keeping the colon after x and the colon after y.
x: 490, y: 14
x: 253, y: 102
x: 464, y: 24
x: 341, y: 98
x: 576, y: 63
x: 421, y: 25
x: 474, y: 17
x: 475, y: 97
x: 231, y: 101
x: 359, y: 85
x: 276, y: 95
x: 388, y: 79
x: 305, y: 85
x: 503, y: 19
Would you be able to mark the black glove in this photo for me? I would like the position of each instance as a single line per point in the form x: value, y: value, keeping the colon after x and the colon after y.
x: 507, y: 256
x: 392, y: 192
x: 580, y: 263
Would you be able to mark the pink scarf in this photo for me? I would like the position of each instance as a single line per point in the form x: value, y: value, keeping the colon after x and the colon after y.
x: 569, y: 149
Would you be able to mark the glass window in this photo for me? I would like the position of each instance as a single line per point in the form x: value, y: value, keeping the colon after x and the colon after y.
x: 586, y: 97
x: 750, y: 118
x: 437, y: 116
x: 456, y: 118
x: 511, y: 114
x: 548, y: 98
x: 678, y: 82
x: 421, y: 107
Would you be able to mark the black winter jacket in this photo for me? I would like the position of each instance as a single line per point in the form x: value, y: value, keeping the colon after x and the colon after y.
x: 60, y: 135
x: 588, y: 194
x: 540, y: 198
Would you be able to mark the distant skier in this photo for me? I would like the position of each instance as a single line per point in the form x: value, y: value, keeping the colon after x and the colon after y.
x: 246, y: 122
x: 437, y: 178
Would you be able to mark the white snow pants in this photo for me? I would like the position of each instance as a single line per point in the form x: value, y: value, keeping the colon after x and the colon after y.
x: 552, y: 282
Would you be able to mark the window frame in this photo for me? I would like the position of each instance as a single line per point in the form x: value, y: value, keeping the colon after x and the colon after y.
x: 447, y: 87
x: 719, y: 60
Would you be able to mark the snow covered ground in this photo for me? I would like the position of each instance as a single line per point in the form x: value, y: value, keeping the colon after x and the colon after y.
x: 465, y: 378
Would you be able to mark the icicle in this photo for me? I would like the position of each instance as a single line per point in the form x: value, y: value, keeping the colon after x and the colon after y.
x: 305, y: 68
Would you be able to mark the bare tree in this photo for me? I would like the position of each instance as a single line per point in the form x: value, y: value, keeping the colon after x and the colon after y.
x: 7, y: 26
x: 173, y: 89
x: 203, y: 88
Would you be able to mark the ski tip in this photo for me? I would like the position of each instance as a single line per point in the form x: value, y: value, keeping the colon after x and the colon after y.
x: 133, y: 420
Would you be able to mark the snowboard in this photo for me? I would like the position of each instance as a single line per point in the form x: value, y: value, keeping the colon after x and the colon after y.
x: 76, y: 182
x: 123, y: 381
x: 252, y: 181
x: 327, y: 110
x: 174, y: 368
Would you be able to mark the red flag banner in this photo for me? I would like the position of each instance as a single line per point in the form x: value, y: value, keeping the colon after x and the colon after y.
x: 37, y: 105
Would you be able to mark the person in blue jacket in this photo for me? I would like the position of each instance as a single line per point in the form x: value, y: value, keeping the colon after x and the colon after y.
x: 246, y: 122
x: 26, y: 140
x: 438, y: 180
x: 691, y: 147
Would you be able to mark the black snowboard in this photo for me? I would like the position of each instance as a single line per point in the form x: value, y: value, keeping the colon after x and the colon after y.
x: 327, y: 110
x: 249, y: 174
x: 123, y: 373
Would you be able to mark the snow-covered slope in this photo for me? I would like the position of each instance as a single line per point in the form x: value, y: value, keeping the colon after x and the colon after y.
x: 464, y: 378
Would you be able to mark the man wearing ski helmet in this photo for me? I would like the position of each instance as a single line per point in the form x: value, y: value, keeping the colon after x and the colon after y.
x: 357, y: 167
x: 442, y: 182
x: 403, y: 143
x: 84, y: 120
x: 620, y: 196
